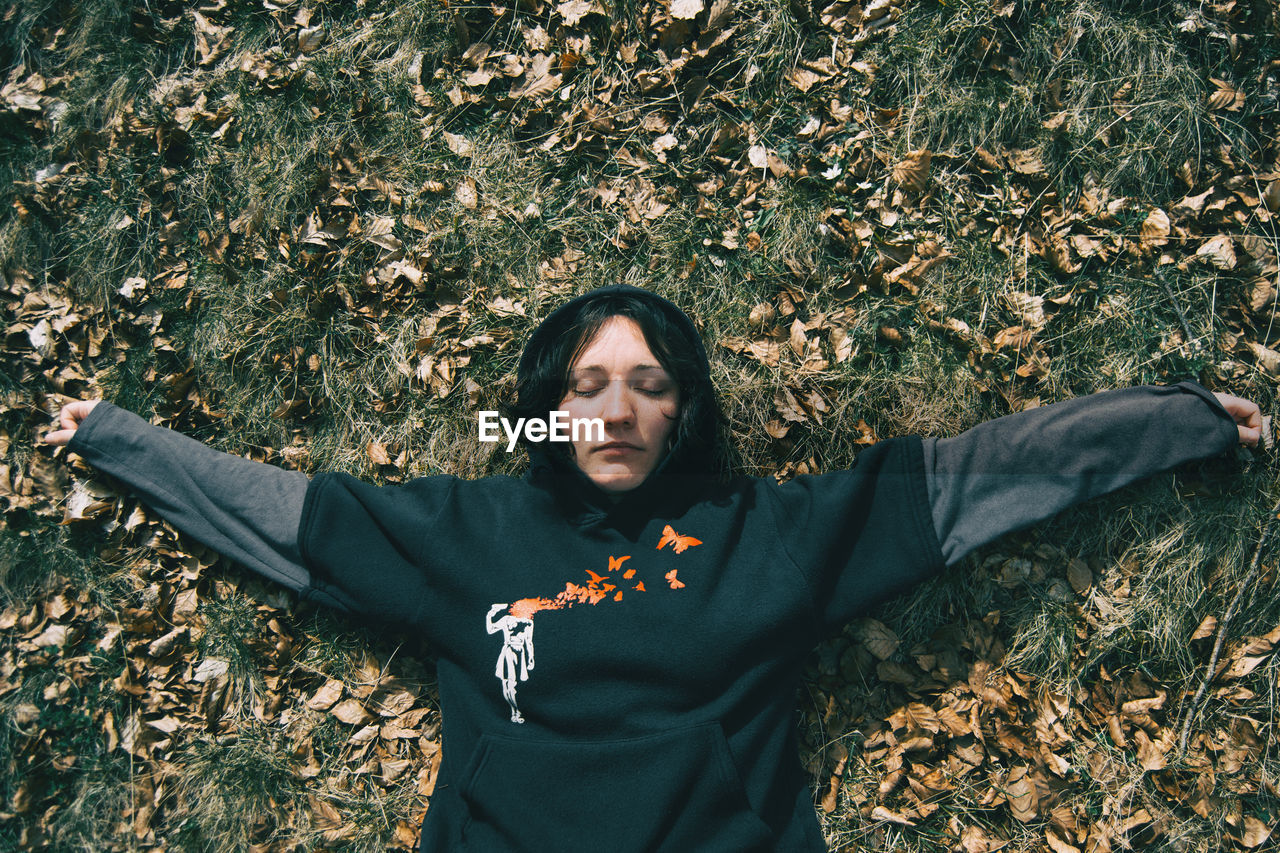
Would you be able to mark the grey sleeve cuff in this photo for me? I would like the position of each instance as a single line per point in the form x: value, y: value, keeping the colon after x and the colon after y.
x: 246, y: 510
x: 1011, y: 472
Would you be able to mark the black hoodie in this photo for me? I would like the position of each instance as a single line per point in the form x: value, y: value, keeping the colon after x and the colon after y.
x: 671, y: 626
x: 623, y: 675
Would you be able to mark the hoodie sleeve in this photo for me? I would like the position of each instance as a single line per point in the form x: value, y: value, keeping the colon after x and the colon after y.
x: 1013, y: 471
x: 245, y: 510
x: 859, y: 536
x: 366, y: 546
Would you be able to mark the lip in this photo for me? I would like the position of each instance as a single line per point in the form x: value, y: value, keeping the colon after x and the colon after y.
x: 616, y: 446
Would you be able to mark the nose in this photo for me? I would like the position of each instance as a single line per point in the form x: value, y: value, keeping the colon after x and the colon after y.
x: 617, y: 405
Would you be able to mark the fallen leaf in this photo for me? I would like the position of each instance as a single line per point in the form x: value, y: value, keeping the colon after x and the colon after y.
x: 351, y: 712
x: 1020, y: 792
x: 912, y: 171
x: 879, y: 639
x: 1079, y: 576
x: 1218, y: 253
x: 686, y: 9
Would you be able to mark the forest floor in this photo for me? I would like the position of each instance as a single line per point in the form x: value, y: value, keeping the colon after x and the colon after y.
x: 316, y: 234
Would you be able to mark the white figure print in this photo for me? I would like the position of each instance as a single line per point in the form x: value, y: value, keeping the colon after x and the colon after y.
x: 516, y: 658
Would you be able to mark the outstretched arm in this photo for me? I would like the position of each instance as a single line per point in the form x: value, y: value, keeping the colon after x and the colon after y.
x: 243, y: 509
x: 1013, y: 471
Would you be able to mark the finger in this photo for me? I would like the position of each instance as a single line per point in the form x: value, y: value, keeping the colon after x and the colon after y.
x: 66, y: 419
x: 1249, y: 436
x: 59, y: 437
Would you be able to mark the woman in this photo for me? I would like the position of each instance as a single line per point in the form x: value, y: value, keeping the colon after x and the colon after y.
x: 674, y: 606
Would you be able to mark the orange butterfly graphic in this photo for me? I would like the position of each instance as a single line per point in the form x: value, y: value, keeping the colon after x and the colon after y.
x: 681, y: 543
x: 615, y: 563
x: 640, y: 586
x: 595, y: 578
x: 671, y: 579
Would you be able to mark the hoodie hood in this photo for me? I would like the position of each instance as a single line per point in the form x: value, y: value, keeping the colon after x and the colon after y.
x: 694, y: 451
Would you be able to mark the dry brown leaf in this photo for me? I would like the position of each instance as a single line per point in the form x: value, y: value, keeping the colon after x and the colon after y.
x: 912, y: 171
x: 459, y: 145
x: 1255, y: 832
x: 802, y: 78
x: 1243, y: 665
x: 351, y: 712
x: 1205, y: 629
x: 686, y: 10
x: 1057, y: 843
x: 466, y: 193
x: 1225, y: 96
x: 720, y: 14
x: 1059, y: 256
x: 1268, y: 359
x: 310, y: 39
x: 974, y: 839
x: 327, y: 696
x: 1271, y: 196
x: 761, y: 315
x: 882, y: 813
x: 574, y: 11
x: 378, y: 453
x: 1079, y: 576
x: 1027, y: 162
x: 1218, y: 253
x: 797, y: 337
x: 879, y: 639
x: 1155, y: 228
x: 1020, y: 792
x: 1150, y: 753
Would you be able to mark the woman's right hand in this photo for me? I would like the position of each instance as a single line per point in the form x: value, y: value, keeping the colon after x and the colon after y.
x: 69, y: 419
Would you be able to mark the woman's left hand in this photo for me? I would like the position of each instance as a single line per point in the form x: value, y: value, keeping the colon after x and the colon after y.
x: 1248, y: 417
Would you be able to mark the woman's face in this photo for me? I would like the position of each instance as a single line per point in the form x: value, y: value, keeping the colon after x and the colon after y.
x: 619, y: 380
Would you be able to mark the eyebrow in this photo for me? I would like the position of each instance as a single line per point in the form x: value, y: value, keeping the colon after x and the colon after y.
x: 599, y: 368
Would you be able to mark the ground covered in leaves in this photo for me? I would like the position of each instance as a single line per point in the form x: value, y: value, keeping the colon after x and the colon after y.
x: 316, y: 234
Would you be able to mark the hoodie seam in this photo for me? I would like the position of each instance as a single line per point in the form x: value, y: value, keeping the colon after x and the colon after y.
x: 420, y: 552
x: 775, y: 507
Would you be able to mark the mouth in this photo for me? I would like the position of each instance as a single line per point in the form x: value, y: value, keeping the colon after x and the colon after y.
x: 616, y: 446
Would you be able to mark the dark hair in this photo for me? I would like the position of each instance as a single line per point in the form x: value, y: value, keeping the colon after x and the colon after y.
x: 543, y: 379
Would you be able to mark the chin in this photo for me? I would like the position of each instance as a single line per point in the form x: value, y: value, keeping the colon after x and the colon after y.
x: 617, y: 482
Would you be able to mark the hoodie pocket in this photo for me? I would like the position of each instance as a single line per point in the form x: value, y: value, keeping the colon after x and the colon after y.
x: 677, y: 791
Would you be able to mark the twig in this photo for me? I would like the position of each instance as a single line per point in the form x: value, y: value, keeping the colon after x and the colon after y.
x: 1245, y: 586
